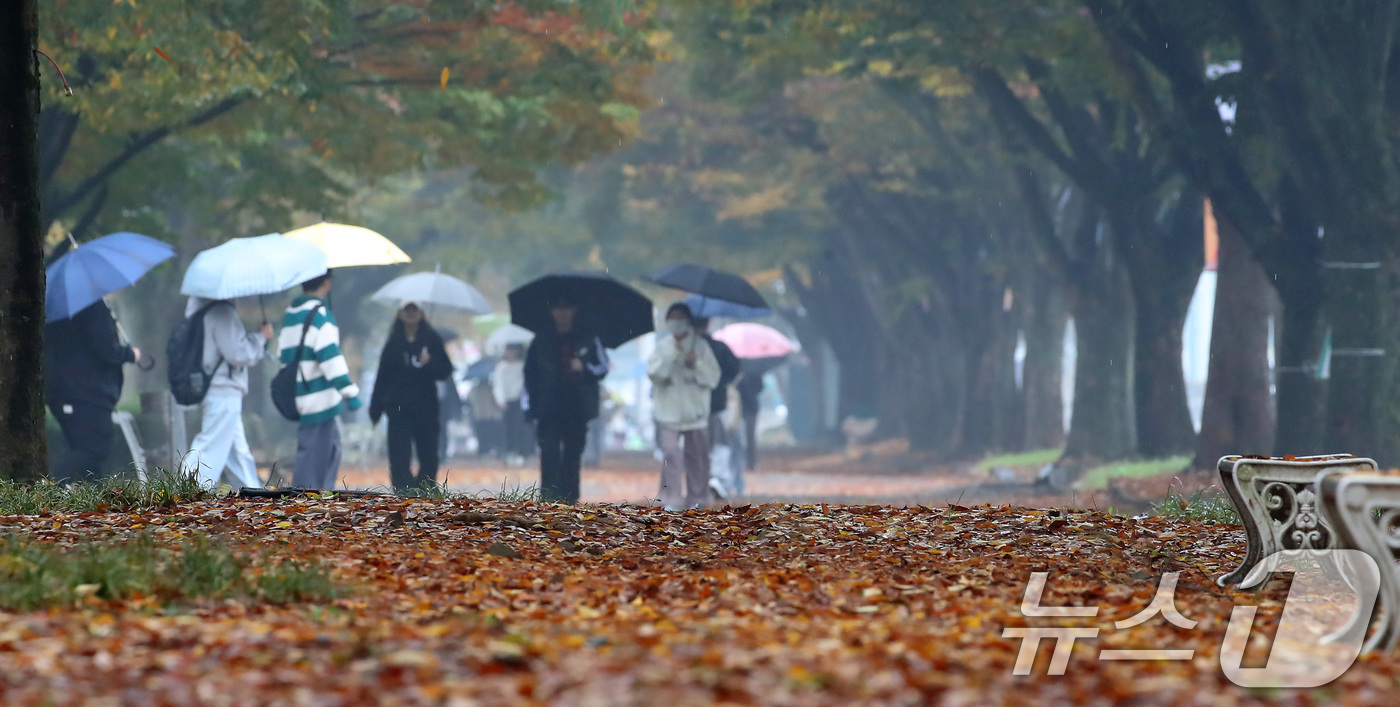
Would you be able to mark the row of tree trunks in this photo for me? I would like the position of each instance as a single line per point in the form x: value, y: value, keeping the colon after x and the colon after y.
x: 22, y: 439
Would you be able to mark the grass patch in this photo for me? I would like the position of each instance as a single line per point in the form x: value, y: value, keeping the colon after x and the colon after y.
x: 1201, y: 504
x: 293, y: 582
x: 507, y: 494
x: 161, y: 490
x: 1099, y: 477
x: 1038, y: 458
x: 35, y: 575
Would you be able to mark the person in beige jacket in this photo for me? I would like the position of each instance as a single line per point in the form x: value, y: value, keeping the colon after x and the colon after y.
x: 683, y: 370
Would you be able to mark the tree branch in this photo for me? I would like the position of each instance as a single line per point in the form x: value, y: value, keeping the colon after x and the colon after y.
x: 1012, y: 111
x: 135, y: 147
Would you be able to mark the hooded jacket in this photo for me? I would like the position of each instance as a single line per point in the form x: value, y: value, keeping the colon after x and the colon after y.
x: 225, y: 337
x: 682, y: 393
x: 83, y: 358
x: 404, y: 385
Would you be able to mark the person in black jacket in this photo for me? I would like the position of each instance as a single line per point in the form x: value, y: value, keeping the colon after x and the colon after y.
x: 83, y: 358
x: 729, y: 368
x: 562, y: 370
x: 413, y: 361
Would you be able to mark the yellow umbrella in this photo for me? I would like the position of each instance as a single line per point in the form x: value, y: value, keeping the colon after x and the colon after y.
x: 348, y: 246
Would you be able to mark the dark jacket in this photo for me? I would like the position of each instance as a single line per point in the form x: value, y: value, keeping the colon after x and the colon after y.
x: 83, y: 359
x: 553, y: 391
x: 750, y: 388
x: 728, y: 371
x: 402, y: 385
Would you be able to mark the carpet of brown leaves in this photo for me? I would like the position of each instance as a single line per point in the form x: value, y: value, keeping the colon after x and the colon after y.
x: 479, y: 602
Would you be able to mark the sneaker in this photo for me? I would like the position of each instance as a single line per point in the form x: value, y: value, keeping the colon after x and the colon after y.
x: 717, y: 489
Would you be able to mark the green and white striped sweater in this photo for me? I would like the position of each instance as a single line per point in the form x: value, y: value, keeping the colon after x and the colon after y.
x: 324, y: 387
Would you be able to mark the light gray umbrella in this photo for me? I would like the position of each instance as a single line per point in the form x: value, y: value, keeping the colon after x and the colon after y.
x: 433, y: 289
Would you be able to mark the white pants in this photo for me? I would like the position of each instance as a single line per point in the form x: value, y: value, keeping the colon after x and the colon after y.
x: 222, y: 443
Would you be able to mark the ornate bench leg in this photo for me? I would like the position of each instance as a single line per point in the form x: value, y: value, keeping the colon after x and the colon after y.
x: 1254, y: 552
x: 1350, y: 502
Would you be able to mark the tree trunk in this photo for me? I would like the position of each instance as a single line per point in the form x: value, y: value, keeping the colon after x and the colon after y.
x: 1045, y: 321
x: 1296, y: 276
x: 1163, y: 418
x: 23, y: 447
x: 1239, y: 412
x: 1102, y: 425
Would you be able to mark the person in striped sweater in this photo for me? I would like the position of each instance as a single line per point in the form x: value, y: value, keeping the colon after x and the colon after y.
x: 324, y: 388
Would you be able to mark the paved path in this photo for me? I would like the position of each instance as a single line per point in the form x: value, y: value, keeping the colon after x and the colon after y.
x: 634, y: 478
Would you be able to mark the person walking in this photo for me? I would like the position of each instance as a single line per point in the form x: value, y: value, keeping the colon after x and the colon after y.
x: 721, y: 447
x: 684, y: 371
x: 750, y: 387
x: 508, y: 390
x: 229, y: 350
x: 562, y: 371
x: 83, y: 359
x: 324, y: 388
x: 414, y: 359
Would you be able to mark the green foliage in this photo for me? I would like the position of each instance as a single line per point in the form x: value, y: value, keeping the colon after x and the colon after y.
x: 160, y: 491
x: 1037, y: 458
x: 364, y: 88
x: 1099, y: 477
x: 36, y: 574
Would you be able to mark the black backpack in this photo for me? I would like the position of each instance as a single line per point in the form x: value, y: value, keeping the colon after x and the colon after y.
x: 184, y: 354
x: 284, y: 384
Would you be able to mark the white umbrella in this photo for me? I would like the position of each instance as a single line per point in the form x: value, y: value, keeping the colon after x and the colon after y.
x: 244, y: 267
x: 433, y: 289
x: 505, y: 336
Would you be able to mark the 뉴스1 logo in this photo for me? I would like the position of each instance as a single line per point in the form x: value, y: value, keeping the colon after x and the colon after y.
x: 1319, y: 636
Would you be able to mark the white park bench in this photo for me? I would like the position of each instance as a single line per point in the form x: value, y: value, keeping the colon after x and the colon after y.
x: 1277, y: 499
x: 1366, y: 511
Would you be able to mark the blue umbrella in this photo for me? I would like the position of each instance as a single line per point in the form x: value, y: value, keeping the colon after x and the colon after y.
x: 98, y: 268
x: 702, y: 306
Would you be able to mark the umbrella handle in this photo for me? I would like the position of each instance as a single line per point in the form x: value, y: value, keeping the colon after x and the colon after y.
x: 262, y: 308
x: 148, y: 359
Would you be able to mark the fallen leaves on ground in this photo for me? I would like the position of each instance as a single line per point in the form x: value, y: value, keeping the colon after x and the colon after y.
x: 482, y: 602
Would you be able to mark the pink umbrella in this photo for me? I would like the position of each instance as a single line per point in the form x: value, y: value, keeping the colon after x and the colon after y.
x: 749, y: 340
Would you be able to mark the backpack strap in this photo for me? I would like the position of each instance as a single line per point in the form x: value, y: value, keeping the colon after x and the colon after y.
x: 200, y: 313
x: 305, y: 328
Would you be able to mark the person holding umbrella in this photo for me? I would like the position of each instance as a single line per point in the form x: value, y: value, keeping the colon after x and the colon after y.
x: 576, y: 317
x: 229, y: 351
x: 84, y: 349
x: 684, y: 371
x: 83, y: 359
x: 562, y: 371
x: 414, y: 359
x: 720, y: 442
x: 323, y: 388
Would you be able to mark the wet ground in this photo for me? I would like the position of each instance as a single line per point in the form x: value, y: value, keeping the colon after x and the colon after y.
x: 882, y: 476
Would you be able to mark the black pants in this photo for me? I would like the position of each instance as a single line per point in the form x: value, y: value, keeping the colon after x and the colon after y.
x: 561, y: 455
x: 408, y: 431
x: 88, y: 431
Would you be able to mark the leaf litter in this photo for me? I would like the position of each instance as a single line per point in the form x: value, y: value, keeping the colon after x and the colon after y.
x: 442, y: 601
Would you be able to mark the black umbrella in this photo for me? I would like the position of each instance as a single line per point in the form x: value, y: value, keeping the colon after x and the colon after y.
x: 612, y: 311
x: 706, y: 282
